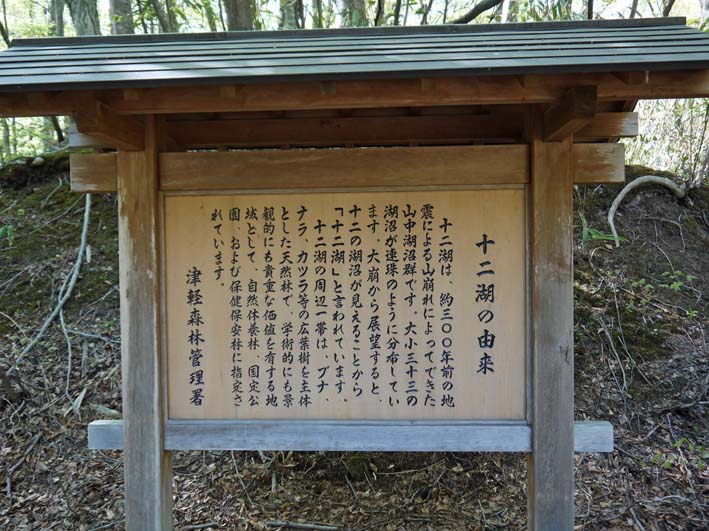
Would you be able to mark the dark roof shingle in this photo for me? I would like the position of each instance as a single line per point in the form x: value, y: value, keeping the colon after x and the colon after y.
x: 247, y: 57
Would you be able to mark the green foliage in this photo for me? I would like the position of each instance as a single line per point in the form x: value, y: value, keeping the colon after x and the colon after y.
x: 588, y: 233
x: 687, y: 454
x: 7, y: 231
x: 676, y: 280
x: 674, y: 136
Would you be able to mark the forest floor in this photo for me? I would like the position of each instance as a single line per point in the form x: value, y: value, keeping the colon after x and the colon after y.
x: 642, y: 362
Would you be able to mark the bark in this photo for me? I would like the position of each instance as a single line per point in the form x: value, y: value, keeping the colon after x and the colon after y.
x: 476, y: 11
x: 56, y: 16
x: 5, y: 35
x: 634, y: 9
x: 171, y: 16
x: 238, y: 15
x: 589, y: 9
x: 141, y: 17
x: 4, y: 27
x: 509, y: 11
x: 210, y: 15
x: 397, y: 12
x: 84, y: 15
x: 57, y: 129
x: 292, y: 14
x: 353, y: 13
x: 6, y: 144
x: 512, y: 11
x: 668, y: 8
x: 163, y: 19
x: 379, y: 14
x: 318, y: 14
x: 426, y: 12
x: 121, y: 17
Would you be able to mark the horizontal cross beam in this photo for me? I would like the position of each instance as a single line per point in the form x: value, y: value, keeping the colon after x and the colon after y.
x: 439, y: 129
x: 371, y: 93
x: 367, y: 436
x: 574, y: 112
x: 348, y: 168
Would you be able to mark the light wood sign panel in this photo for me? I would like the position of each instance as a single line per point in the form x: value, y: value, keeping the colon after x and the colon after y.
x: 376, y: 305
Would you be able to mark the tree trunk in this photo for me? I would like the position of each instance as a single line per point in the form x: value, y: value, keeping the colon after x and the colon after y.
x: 668, y: 8
x: 163, y: 19
x: 292, y: 14
x: 121, y: 17
x: 141, y: 17
x: 238, y: 15
x: 6, y: 144
x: 173, y: 26
x: 397, y: 12
x: 56, y: 16
x: 5, y: 35
x: 318, y: 15
x: 54, y: 129
x: 476, y: 11
x: 633, y: 9
x: 426, y: 12
x: 353, y: 13
x: 84, y: 15
x: 210, y: 15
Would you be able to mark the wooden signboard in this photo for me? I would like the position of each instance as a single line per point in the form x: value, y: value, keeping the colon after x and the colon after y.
x: 412, y: 295
x: 350, y: 306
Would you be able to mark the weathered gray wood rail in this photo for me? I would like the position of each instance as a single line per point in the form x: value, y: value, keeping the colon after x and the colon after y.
x: 369, y: 436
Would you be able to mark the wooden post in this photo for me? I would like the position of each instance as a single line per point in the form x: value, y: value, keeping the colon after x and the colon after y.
x: 148, y: 489
x: 551, y: 463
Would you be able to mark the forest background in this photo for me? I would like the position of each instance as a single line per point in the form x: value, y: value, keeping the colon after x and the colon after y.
x: 673, y: 133
x: 642, y: 360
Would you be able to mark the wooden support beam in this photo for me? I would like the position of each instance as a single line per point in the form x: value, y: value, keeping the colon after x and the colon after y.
x: 147, y: 466
x: 639, y: 77
x: 43, y: 103
x: 550, y: 469
x: 478, y: 90
x: 344, y: 168
x: 599, y: 163
x: 371, y: 436
x: 357, y: 130
x: 93, y: 172
x: 98, y: 120
x: 79, y: 140
x: 371, y: 93
x: 288, y: 169
x: 443, y: 129
x: 607, y: 125
x: 576, y: 110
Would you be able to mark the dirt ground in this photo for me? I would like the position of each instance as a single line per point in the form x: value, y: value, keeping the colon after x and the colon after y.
x: 642, y: 362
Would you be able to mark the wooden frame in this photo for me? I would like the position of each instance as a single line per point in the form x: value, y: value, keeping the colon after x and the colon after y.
x: 549, y: 406
x: 544, y: 132
x: 594, y: 163
x: 365, y: 436
x: 550, y: 469
x: 504, y: 402
x: 561, y: 135
x: 147, y: 470
x: 372, y: 93
x: 368, y: 127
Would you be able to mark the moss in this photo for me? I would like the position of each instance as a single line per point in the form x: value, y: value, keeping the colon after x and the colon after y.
x: 47, y: 221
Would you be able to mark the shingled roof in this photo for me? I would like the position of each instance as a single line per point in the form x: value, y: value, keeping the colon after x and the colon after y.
x: 453, y: 50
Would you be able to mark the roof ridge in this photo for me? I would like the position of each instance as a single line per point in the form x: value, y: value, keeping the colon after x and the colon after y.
x: 380, y: 30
